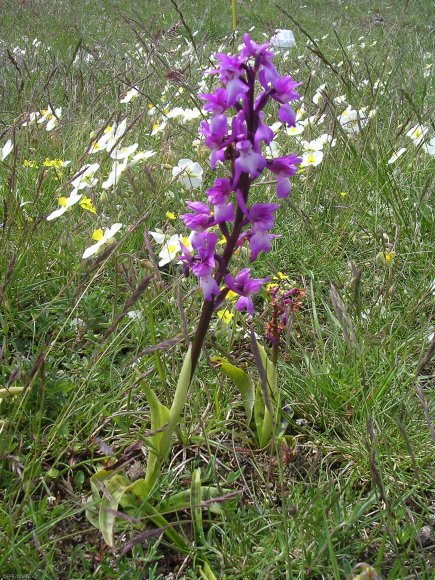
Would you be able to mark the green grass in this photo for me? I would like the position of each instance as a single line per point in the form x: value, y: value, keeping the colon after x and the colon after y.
x: 360, y: 485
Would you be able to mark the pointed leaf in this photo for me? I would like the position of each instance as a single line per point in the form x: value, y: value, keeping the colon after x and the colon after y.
x: 116, y: 486
x: 243, y: 382
x: 195, y: 507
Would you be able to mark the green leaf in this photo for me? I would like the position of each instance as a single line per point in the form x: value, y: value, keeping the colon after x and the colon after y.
x: 206, y: 572
x: 116, y: 487
x: 243, y: 382
x: 182, y: 500
x: 266, y: 400
x: 195, y: 506
x: 159, y: 418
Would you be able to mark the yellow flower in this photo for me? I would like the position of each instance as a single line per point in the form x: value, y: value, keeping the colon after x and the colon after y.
x: 343, y: 193
x: 271, y: 286
x: 63, y: 201
x: 225, y: 316
x: 232, y: 295
x: 170, y: 215
x: 56, y: 163
x: 86, y: 203
x: 97, y: 235
x: 280, y: 276
x: 386, y: 258
x: 28, y: 163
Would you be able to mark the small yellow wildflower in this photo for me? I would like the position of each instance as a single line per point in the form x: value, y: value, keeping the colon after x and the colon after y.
x: 86, y: 203
x: 97, y: 235
x: 271, y: 286
x: 56, y: 163
x: 225, y: 316
x: 232, y: 295
x: 343, y: 193
x: 170, y: 215
x: 29, y: 163
x: 386, y: 258
x: 280, y: 276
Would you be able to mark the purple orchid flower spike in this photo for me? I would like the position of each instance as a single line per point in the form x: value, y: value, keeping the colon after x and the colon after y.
x: 239, y: 147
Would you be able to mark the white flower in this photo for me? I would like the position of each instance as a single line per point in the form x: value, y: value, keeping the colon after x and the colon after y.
x: 117, y: 135
x: 417, y: 133
x: 6, y: 149
x: 430, y: 147
x: 129, y: 95
x: 103, y: 238
x: 396, y: 155
x: 158, y: 236
x: 188, y: 172
x: 101, y: 144
x: 170, y: 246
x: 65, y: 203
x: 158, y: 128
x: 124, y: 152
x: 311, y: 158
x: 140, y: 155
x: 274, y: 149
x: 191, y: 114
x: 319, y: 94
x: 53, y: 119
x: 134, y: 314
x: 351, y: 120
x: 283, y: 39
x: 276, y: 126
x: 32, y: 118
x: 298, y: 129
x: 340, y: 100
x: 117, y: 170
x: 85, y: 177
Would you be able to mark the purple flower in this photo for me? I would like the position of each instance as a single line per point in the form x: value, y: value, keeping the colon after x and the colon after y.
x: 215, y: 102
x: 230, y: 71
x: 263, y: 132
x: 287, y: 115
x: 284, y: 90
x: 263, y: 57
x: 209, y: 287
x: 248, y: 161
x: 215, y: 132
x: 202, y: 264
x: 284, y: 167
x: 260, y: 215
x: 205, y: 245
x: 200, y: 219
x: 260, y: 241
x: 262, y: 218
x: 245, y: 287
x: 219, y: 195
